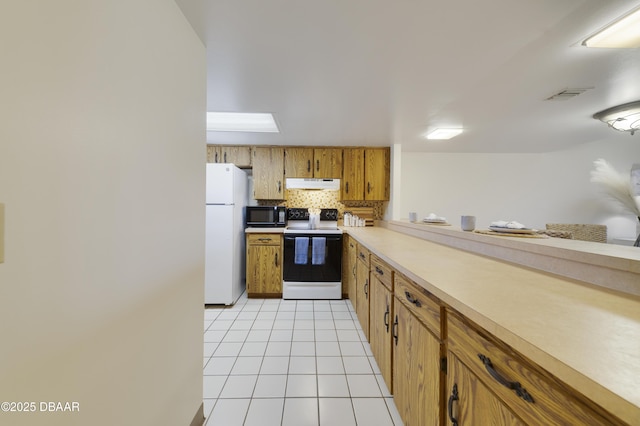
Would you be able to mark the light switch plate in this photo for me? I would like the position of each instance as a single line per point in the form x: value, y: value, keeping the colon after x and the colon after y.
x: 1, y: 233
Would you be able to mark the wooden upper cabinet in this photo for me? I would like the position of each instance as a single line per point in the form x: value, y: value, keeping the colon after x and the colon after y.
x: 303, y: 162
x: 353, y: 174
x: 268, y: 173
x: 238, y: 155
x: 365, y: 174
x: 376, y: 174
x: 298, y: 162
x: 327, y: 163
x: 213, y: 151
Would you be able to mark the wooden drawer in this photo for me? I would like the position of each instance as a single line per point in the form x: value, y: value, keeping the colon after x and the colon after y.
x: 534, y: 394
x: 264, y: 239
x: 420, y: 302
x: 381, y: 271
x: 363, y: 254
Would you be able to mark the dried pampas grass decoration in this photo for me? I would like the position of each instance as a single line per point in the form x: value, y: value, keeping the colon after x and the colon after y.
x: 618, y: 186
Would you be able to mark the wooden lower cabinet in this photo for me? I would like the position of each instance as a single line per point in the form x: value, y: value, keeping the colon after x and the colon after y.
x: 471, y: 403
x: 380, y: 338
x: 264, y: 265
x: 443, y: 369
x: 349, y: 269
x: 362, y: 296
x: 417, y: 384
x: 519, y: 391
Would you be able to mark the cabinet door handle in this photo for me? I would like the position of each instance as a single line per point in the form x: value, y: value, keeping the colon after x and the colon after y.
x: 216, y: 160
x: 317, y: 165
x: 386, y: 318
x: 279, y: 186
x: 346, y: 187
x: 368, y: 187
x: 308, y: 165
x: 515, y: 386
x: 366, y: 288
x: 412, y: 299
x: 394, y: 330
x: 225, y: 157
x: 379, y: 271
x: 361, y: 254
x: 452, y: 398
x: 354, y: 270
x: 277, y: 259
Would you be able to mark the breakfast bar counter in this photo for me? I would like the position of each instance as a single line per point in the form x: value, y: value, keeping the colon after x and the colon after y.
x: 585, y: 334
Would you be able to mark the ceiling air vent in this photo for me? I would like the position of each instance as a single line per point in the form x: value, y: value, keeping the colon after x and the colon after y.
x: 565, y: 94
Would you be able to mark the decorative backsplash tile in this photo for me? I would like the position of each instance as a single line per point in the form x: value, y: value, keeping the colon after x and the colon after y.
x: 324, y: 200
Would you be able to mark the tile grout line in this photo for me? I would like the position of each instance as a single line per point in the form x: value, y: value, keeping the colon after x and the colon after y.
x: 315, y: 317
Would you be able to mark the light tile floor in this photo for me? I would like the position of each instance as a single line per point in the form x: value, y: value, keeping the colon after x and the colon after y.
x: 291, y: 363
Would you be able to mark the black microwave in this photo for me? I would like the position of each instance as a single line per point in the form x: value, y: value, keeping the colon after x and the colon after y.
x: 265, y: 216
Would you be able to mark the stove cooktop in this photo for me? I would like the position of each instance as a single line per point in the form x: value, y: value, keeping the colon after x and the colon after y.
x: 307, y: 231
x: 298, y: 222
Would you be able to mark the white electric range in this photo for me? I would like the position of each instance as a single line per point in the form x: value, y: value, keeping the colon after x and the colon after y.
x: 312, y: 267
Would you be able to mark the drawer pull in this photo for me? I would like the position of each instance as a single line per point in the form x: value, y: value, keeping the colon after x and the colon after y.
x: 264, y: 239
x: 386, y: 318
x: 452, y: 398
x: 379, y: 271
x: 412, y: 299
x: 515, y: 386
x: 394, y: 330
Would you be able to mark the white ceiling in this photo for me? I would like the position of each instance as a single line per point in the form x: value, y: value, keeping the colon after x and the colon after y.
x: 377, y: 72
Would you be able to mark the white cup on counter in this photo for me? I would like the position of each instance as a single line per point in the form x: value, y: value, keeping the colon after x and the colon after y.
x: 413, y: 217
x: 468, y: 223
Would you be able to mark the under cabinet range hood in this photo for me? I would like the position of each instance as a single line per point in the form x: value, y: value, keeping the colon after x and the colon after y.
x: 313, y: 183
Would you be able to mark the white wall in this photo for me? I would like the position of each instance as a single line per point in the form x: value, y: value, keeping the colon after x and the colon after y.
x: 102, y: 147
x: 533, y: 189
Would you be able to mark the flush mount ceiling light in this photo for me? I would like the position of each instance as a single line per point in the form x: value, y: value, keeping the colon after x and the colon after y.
x: 622, y: 33
x: 442, y: 134
x: 241, y: 122
x: 623, y: 118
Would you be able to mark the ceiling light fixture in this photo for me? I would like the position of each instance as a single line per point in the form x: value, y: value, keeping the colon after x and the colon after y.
x: 622, y: 33
x: 241, y: 122
x: 623, y: 118
x: 442, y: 134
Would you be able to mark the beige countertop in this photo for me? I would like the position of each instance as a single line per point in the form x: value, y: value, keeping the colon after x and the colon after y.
x: 586, y: 335
x: 279, y: 230
x: 607, y: 265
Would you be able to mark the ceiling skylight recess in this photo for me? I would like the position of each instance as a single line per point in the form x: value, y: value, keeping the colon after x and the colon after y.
x: 442, y: 133
x: 241, y: 122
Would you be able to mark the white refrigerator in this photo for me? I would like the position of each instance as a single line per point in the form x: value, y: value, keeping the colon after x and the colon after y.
x: 226, y: 198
